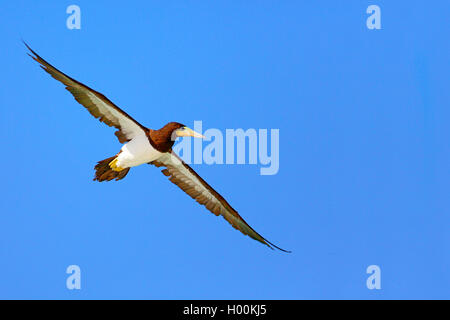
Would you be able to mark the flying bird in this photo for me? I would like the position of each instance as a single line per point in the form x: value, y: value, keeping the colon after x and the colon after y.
x: 142, y: 145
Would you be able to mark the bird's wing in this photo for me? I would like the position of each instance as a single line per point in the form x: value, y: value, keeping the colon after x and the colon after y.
x: 95, y: 102
x: 190, y: 182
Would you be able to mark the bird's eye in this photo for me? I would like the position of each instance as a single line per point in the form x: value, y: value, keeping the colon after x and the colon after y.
x: 183, y: 128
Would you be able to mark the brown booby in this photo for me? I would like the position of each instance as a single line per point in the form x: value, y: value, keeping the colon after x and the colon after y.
x: 143, y: 145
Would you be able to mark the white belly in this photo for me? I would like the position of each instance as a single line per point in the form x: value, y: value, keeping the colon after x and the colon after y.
x: 136, y: 152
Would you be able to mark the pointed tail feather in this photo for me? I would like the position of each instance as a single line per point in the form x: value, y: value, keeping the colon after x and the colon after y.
x: 105, y: 172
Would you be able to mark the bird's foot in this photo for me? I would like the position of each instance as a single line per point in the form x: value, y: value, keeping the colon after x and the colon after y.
x: 113, y: 165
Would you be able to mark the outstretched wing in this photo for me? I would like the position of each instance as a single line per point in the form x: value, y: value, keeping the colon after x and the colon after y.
x: 95, y: 102
x: 190, y: 182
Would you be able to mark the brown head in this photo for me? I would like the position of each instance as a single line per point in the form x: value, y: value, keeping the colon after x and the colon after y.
x: 164, y: 138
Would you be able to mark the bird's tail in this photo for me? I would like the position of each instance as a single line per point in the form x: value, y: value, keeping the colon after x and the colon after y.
x: 107, y: 169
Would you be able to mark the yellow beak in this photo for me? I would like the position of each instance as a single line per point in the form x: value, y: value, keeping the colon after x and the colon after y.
x: 189, y: 133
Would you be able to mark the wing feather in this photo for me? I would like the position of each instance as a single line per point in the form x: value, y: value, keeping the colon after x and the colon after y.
x: 191, y: 183
x: 96, y: 103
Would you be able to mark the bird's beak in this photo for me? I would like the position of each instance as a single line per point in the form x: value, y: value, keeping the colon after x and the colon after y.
x: 189, y: 133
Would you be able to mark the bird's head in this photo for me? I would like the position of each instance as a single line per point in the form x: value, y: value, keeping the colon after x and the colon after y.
x: 180, y: 130
x: 164, y: 138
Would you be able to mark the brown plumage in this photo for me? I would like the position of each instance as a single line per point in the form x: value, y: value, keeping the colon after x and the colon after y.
x: 103, y: 171
x: 157, y: 145
x: 162, y: 139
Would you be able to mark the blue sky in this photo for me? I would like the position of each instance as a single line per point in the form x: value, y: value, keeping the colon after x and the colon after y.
x: 364, y: 157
